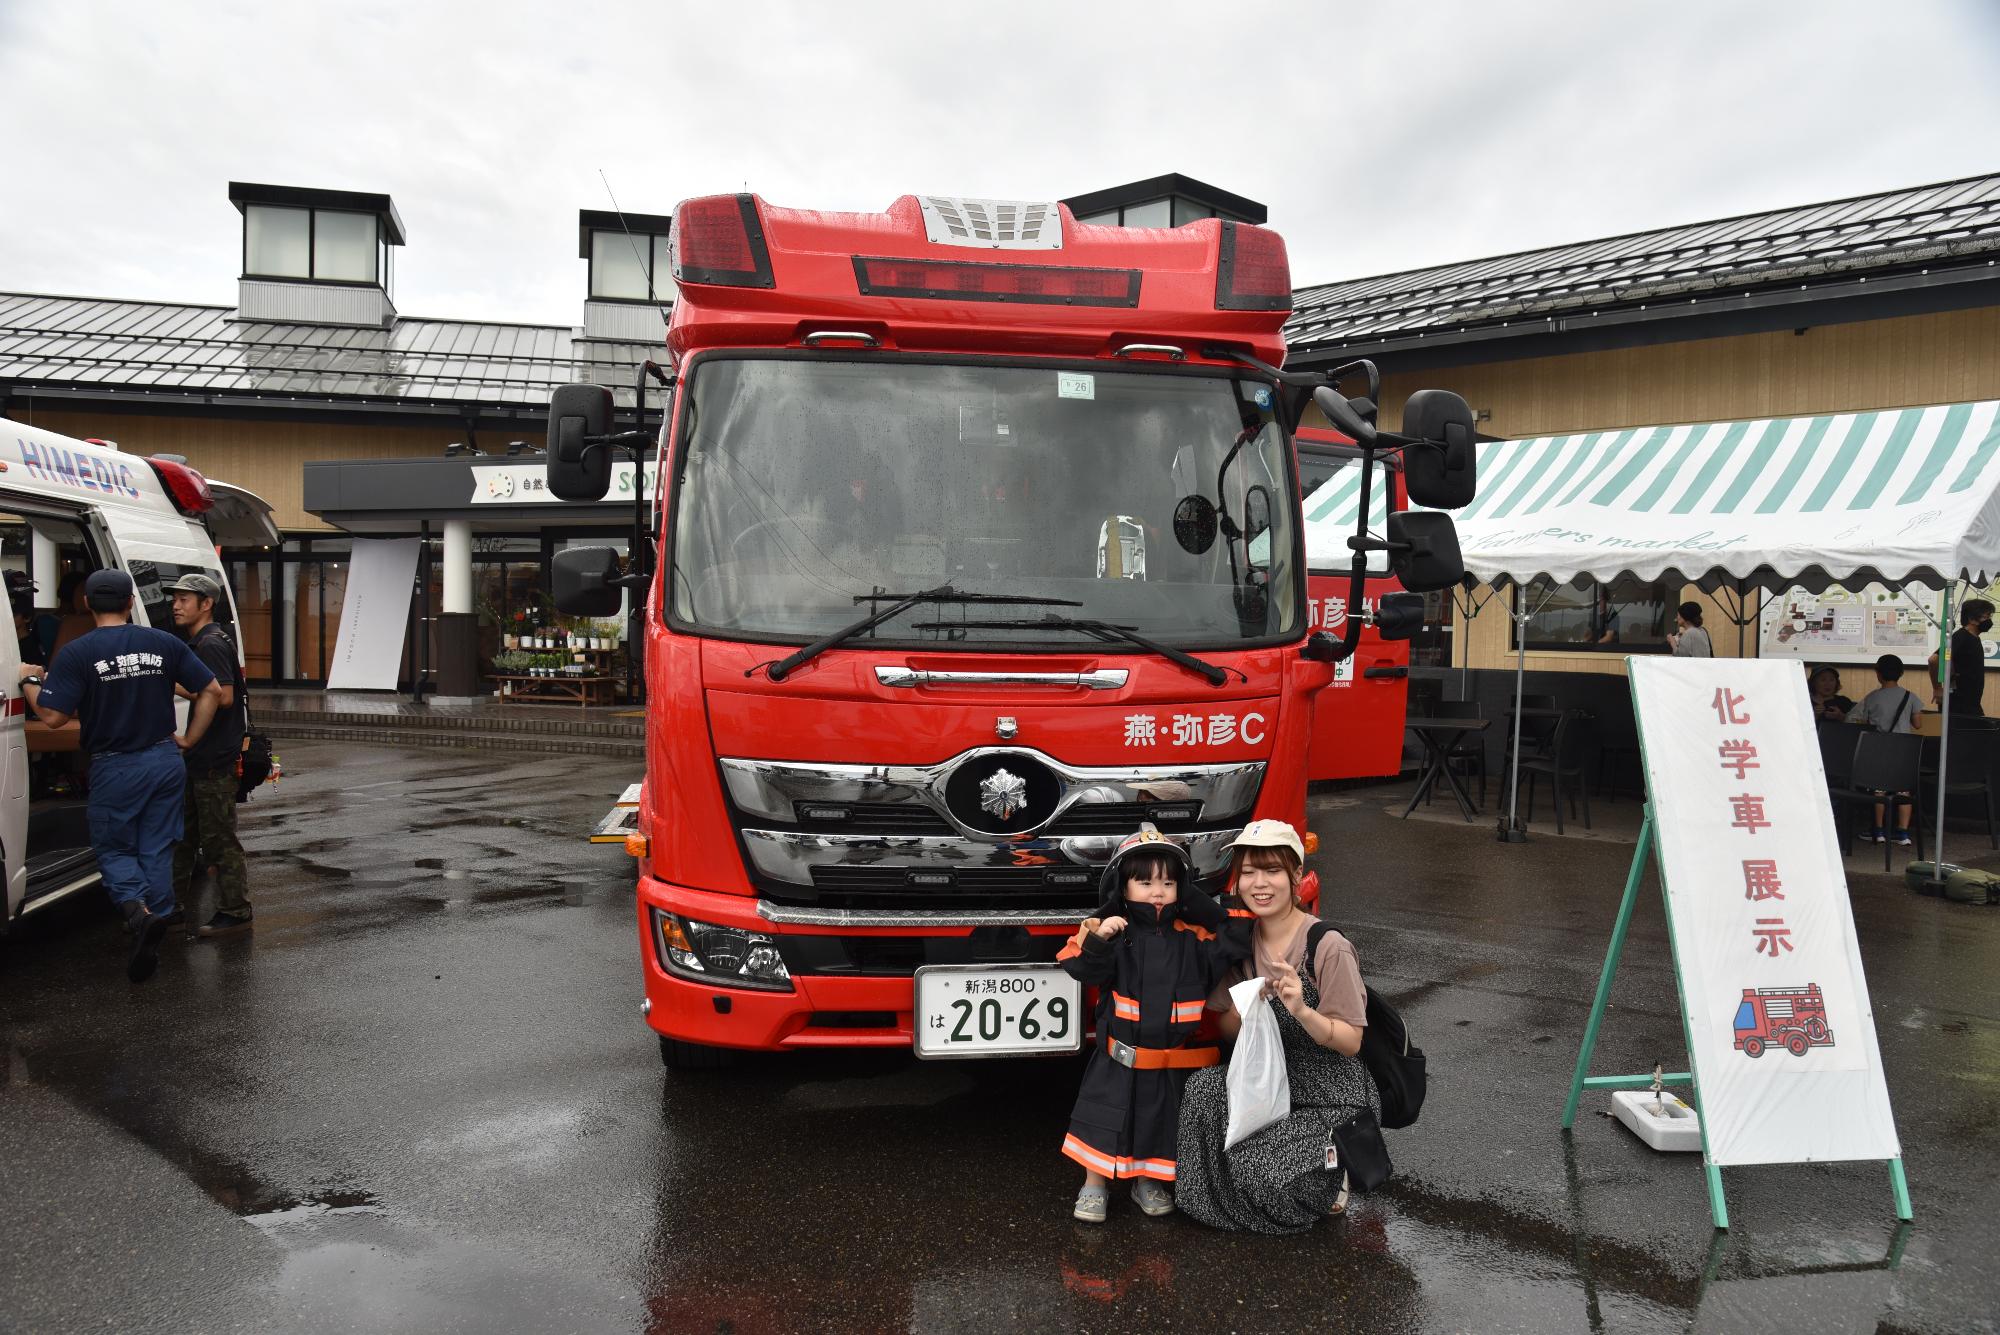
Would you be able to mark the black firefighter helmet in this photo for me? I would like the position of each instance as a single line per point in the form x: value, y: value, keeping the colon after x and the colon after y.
x: 1194, y: 903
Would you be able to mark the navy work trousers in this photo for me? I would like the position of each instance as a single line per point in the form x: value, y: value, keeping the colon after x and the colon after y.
x: 135, y: 821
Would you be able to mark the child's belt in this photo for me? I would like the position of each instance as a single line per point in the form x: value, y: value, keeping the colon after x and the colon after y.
x: 1160, y: 1059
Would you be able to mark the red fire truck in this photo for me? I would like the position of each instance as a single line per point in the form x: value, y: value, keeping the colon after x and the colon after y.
x: 1794, y: 1017
x: 972, y: 540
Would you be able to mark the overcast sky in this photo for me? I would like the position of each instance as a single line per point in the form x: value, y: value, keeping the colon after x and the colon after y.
x: 1382, y: 137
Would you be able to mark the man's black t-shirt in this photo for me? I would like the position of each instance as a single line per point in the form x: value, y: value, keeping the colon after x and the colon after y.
x: 1968, y: 672
x: 119, y: 682
x: 216, y: 752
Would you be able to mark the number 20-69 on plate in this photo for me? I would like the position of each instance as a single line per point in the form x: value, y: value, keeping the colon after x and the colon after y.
x: 996, y: 1010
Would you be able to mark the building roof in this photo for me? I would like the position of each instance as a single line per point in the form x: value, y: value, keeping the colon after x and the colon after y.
x: 161, y: 350
x: 1162, y: 187
x: 1916, y: 231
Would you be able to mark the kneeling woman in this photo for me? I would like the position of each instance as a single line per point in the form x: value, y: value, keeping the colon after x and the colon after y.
x: 1277, y: 1180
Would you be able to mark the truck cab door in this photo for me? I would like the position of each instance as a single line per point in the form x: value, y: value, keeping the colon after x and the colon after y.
x: 1357, y: 729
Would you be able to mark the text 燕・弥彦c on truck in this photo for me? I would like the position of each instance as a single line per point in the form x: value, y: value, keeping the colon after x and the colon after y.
x: 970, y: 539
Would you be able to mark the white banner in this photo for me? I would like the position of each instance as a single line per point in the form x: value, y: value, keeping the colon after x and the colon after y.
x: 1784, y: 1052
x: 528, y: 484
x: 374, y: 615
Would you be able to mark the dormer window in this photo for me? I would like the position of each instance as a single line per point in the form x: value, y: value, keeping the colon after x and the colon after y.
x: 628, y: 256
x: 317, y: 245
x: 1164, y: 201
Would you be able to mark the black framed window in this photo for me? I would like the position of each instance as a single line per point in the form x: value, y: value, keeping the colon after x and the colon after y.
x: 1584, y: 616
x: 318, y: 245
x: 630, y: 268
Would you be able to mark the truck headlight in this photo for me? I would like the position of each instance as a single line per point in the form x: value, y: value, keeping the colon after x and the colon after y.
x: 724, y: 956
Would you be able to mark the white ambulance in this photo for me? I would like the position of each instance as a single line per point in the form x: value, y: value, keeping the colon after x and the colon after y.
x: 68, y: 507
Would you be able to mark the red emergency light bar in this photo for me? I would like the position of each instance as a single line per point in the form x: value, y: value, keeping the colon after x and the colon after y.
x: 1036, y: 284
x: 718, y: 239
x: 1254, y: 273
x: 185, y: 487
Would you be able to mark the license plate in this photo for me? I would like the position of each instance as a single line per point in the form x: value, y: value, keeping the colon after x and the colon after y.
x: 996, y: 1010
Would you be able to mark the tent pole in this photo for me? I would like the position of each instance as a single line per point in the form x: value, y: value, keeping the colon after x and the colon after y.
x: 1944, y: 732
x: 1511, y: 832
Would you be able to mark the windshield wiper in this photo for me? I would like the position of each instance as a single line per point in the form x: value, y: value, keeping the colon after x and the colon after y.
x: 943, y: 593
x: 1103, y: 630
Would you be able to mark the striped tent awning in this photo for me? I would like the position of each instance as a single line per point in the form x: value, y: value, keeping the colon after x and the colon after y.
x: 1330, y: 509
x: 1894, y: 496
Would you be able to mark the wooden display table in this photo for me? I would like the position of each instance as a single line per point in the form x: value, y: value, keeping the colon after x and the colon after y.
x: 592, y: 690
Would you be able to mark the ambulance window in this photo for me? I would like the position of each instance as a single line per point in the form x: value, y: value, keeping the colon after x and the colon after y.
x: 153, y: 579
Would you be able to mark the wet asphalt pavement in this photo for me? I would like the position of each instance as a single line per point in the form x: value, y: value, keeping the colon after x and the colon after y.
x: 421, y: 1098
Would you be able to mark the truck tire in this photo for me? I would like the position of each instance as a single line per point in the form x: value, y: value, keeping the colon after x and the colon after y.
x: 678, y: 1056
x: 1752, y: 1047
x: 1796, y: 1043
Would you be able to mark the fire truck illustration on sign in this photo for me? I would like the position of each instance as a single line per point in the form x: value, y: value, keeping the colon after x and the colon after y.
x: 1792, y: 1016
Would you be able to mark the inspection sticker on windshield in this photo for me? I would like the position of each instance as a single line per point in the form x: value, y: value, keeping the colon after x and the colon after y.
x: 1075, y: 385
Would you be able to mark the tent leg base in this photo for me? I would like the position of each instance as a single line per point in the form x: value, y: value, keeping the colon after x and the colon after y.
x: 1511, y: 833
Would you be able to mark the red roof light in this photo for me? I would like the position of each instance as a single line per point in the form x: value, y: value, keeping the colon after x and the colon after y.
x: 719, y: 240
x: 185, y: 487
x: 1253, y: 273
x: 1034, y: 284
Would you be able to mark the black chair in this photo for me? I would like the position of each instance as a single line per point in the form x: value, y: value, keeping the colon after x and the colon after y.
x: 1836, y: 749
x: 1572, y: 755
x: 1468, y: 752
x: 1538, y: 734
x: 1971, y: 757
x: 1885, y: 764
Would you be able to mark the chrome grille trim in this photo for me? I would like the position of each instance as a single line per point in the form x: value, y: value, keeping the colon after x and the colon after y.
x: 801, y: 917
x: 790, y: 856
x: 769, y: 789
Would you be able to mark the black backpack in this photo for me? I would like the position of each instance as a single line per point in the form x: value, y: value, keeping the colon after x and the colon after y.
x: 1386, y: 1050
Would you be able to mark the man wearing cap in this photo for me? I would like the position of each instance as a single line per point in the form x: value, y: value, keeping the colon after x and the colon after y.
x: 208, y: 813
x: 209, y: 810
x: 119, y: 679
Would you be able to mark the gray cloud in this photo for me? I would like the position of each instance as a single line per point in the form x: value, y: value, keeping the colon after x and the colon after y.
x: 1382, y: 139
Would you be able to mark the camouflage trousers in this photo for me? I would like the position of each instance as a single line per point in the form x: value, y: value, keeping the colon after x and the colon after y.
x: 209, y: 840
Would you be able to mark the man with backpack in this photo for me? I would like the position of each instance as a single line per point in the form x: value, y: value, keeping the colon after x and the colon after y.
x: 210, y: 805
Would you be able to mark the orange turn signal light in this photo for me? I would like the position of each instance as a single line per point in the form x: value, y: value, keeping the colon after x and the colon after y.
x: 638, y: 845
x: 1311, y: 842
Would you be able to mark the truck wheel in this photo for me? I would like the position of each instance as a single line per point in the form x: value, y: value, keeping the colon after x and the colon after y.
x: 678, y: 1056
x: 1816, y: 1029
x: 1796, y: 1043
x: 1752, y: 1047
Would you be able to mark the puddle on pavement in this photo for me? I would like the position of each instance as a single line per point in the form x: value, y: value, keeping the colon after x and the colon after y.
x: 310, y: 1209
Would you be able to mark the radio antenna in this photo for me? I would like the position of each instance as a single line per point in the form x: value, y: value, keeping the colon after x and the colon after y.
x: 633, y: 241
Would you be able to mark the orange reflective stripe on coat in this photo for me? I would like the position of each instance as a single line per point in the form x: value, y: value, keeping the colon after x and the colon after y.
x: 1188, y: 1012
x: 1117, y: 1165
x: 1124, y: 1007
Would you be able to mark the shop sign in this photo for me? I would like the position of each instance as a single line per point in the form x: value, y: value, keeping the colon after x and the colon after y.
x: 528, y: 484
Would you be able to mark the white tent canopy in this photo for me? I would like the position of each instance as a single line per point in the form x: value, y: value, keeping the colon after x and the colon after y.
x: 1903, y: 495
x: 1909, y: 495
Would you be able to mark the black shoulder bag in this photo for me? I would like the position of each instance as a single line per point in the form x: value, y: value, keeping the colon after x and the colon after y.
x: 253, y: 764
x: 1395, y: 1062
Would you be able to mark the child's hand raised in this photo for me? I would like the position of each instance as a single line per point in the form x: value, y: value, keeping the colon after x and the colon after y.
x: 1285, y: 986
x: 1111, y: 927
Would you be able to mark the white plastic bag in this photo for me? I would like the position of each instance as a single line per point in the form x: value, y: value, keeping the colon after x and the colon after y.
x: 1260, y: 1092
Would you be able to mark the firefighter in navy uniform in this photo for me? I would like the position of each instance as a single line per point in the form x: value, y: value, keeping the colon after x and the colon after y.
x: 119, y: 679
x: 1155, y: 951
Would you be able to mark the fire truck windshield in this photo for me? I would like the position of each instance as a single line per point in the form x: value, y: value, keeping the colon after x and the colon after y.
x: 810, y: 485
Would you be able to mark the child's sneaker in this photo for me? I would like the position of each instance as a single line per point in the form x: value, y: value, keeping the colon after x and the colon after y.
x: 1091, y: 1203
x: 1151, y: 1197
x: 1874, y: 835
x: 1902, y: 839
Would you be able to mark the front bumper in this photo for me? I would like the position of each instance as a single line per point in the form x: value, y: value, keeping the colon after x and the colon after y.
x: 850, y: 971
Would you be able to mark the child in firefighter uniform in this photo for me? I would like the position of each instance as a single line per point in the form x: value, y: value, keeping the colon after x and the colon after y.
x: 1154, y: 952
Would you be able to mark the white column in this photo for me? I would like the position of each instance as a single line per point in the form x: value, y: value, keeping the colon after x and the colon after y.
x: 457, y: 566
x: 46, y: 562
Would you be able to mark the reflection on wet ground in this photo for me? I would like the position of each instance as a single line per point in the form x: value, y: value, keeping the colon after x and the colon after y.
x: 420, y: 1097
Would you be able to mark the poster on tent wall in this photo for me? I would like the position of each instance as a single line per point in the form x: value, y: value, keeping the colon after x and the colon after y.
x: 375, y: 615
x: 1783, y: 1041
x: 1842, y: 625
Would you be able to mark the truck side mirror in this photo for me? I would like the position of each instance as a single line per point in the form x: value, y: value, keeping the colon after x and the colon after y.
x: 1348, y: 418
x: 583, y: 579
x: 579, y: 471
x: 1399, y: 615
x: 1439, y: 472
x: 1423, y: 550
